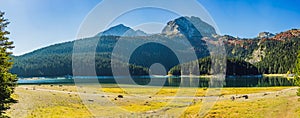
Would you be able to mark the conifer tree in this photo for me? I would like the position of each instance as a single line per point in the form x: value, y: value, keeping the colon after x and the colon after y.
x: 7, y: 80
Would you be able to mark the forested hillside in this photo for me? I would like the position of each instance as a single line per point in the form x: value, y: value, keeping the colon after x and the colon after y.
x: 56, y: 60
x: 234, y: 67
x: 275, y: 54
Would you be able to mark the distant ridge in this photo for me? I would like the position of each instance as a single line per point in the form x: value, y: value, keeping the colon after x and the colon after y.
x: 122, y: 30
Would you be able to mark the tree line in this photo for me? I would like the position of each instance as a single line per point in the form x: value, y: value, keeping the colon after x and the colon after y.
x: 233, y: 66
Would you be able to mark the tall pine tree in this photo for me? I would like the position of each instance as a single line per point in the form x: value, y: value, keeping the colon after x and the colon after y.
x: 297, y: 73
x: 297, y: 69
x: 7, y: 80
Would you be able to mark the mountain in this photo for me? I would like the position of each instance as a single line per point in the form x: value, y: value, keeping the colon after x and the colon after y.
x: 56, y: 60
x: 260, y: 55
x: 266, y: 54
x: 122, y: 30
x: 191, y: 27
x: 275, y: 54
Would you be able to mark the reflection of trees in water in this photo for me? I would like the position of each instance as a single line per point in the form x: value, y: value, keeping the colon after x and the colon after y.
x: 230, y: 82
x: 241, y: 82
x: 258, y: 82
x: 187, y: 82
x: 275, y: 81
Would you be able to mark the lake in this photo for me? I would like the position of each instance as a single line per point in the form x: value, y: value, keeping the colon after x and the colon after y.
x: 174, y: 81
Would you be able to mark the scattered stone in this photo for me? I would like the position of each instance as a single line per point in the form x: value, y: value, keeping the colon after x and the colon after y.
x: 90, y: 100
x: 232, y: 98
x: 120, y: 96
x: 245, y: 96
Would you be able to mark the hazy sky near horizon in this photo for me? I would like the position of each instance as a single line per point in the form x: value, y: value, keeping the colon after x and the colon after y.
x: 39, y: 23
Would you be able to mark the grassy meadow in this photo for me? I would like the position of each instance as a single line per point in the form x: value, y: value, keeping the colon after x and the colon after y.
x: 54, y: 101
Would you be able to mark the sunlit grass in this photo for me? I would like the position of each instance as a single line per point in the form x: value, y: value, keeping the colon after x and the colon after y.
x: 144, y: 106
x: 59, y: 111
x: 169, y: 91
x: 67, y: 103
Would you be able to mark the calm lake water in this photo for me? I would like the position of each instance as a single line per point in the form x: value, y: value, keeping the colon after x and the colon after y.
x: 165, y: 81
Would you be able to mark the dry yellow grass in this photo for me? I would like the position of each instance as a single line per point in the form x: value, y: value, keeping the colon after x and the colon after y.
x: 65, y: 102
x: 37, y: 104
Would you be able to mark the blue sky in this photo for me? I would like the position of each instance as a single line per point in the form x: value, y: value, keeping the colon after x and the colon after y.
x: 39, y: 23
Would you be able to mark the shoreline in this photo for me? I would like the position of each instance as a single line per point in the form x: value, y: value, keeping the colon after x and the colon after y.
x: 169, y: 75
x: 289, y: 76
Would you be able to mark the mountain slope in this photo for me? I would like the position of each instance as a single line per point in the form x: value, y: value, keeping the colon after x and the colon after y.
x: 265, y: 55
x: 276, y: 54
x: 56, y: 60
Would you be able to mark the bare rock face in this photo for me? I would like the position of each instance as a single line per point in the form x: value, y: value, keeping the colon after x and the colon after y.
x: 265, y: 35
x: 190, y: 27
x: 257, y: 55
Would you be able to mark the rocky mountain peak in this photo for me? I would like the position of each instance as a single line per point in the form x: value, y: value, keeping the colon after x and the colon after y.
x: 122, y: 30
x: 265, y: 35
x: 191, y: 27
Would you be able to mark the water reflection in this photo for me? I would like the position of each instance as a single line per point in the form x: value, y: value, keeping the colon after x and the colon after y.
x: 174, y: 81
x: 232, y: 82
